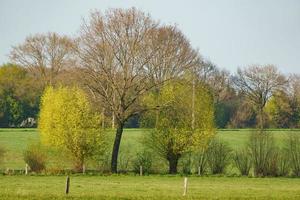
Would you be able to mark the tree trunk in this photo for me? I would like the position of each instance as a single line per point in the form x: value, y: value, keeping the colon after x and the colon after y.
x: 115, y: 153
x: 173, y: 161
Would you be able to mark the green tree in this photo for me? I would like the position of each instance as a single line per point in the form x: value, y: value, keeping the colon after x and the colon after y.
x: 19, y: 95
x: 67, y: 121
x: 282, y: 110
x: 174, y: 134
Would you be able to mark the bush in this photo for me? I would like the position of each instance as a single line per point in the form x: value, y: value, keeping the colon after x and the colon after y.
x: 143, y: 159
x: 218, y: 156
x: 242, y: 160
x: 103, y: 162
x: 273, y: 163
x: 124, y: 159
x: 293, y: 145
x: 263, y: 155
x: 186, y: 163
x: 283, y: 163
x: 35, y: 158
x: 201, y: 162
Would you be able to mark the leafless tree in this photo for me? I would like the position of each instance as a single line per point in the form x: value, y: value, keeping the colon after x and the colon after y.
x: 45, y: 55
x: 258, y: 84
x: 124, y: 55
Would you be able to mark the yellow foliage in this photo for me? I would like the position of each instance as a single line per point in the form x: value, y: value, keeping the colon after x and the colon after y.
x: 174, y: 132
x: 67, y: 120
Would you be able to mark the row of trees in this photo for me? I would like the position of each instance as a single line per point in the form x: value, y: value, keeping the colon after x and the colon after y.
x: 132, y: 67
x: 235, y: 107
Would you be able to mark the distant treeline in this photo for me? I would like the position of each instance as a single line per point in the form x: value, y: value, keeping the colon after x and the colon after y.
x: 20, y: 92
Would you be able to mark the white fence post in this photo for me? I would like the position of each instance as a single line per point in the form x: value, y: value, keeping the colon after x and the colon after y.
x: 26, y: 169
x: 185, y: 186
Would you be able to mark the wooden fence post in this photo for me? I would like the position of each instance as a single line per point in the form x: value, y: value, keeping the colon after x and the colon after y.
x: 199, y: 172
x: 67, y: 185
x: 26, y: 169
x: 185, y: 186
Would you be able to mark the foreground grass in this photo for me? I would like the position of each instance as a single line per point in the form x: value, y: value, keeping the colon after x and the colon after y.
x: 148, y: 187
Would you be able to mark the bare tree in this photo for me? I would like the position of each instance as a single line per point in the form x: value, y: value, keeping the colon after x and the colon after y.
x: 258, y: 84
x: 45, y: 55
x: 124, y: 55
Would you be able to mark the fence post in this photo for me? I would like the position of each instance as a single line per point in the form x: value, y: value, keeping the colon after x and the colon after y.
x: 185, y: 186
x: 199, y: 172
x: 67, y: 185
x: 26, y: 169
x: 141, y: 170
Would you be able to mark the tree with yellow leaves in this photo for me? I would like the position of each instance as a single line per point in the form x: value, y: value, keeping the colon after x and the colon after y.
x: 67, y: 121
x: 175, y: 132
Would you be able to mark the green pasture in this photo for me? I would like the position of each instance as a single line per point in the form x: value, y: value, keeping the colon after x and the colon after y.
x: 147, y: 187
x: 88, y: 186
x: 15, y: 141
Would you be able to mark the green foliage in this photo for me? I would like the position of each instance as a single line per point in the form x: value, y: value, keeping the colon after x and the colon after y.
x: 68, y: 121
x: 293, y: 145
x: 200, y: 161
x: 242, y: 160
x: 283, y: 111
x: 283, y: 163
x: 19, y: 96
x: 144, y: 159
x: 35, y: 157
x: 224, y: 111
x: 186, y: 163
x: 174, y: 135
x: 218, y: 156
x: 263, y: 153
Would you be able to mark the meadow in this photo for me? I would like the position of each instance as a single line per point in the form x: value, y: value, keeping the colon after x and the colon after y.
x: 15, y: 141
x: 132, y: 186
x: 147, y: 187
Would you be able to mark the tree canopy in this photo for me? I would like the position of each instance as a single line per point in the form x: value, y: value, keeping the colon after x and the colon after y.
x: 68, y: 121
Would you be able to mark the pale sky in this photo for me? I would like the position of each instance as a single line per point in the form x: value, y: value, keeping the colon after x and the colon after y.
x: 230, y: 33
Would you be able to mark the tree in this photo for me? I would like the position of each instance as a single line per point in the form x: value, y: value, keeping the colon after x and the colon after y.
x: 19, y: 96
x: 174, y: 134
x: 258, y: 84
x: 124, y: 55
x: 283, y: 110
x: 67, y: 121
x: 45, y: 55
x: 294, y: 96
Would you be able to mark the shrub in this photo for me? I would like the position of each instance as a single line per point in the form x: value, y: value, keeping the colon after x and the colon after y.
x: 104, y: 161
x: 143, y: 159
x: 200, y: 159
x: 262, y: 148
x: 186, y: 163
x: 242, y: 160
x: 293, y: 145
x: 35, y: 158
x: 283, y: 163
x: 124, y: 159
x: 218, y: 156
x: 272, y: 168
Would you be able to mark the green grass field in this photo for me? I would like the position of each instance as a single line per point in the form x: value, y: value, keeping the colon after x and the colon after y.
x: 15, y: 141
x: 147, y: 187
x: 131, y: 186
